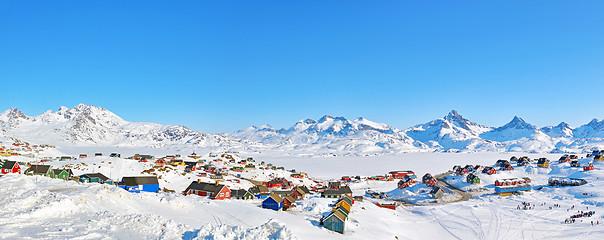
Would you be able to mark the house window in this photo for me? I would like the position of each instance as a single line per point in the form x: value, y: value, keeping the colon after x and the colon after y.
x: 227, y: 194
x: 222, y: 194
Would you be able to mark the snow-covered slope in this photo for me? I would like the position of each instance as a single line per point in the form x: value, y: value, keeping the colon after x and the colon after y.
x: 91, y: 125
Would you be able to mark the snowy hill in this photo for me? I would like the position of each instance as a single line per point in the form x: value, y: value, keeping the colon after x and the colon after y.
x: 91, y: 125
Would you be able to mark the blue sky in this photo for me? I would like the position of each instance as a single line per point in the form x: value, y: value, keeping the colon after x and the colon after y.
x: 225, y: 65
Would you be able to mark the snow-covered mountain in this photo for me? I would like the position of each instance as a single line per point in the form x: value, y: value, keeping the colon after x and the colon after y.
x: 449, y: 133
x: 91, y: 125
x: 593, y: 129
x: 563, y: 130
x: 336, y: 135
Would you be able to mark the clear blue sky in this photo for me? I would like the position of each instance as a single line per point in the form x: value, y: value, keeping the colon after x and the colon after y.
x: 225, y: 65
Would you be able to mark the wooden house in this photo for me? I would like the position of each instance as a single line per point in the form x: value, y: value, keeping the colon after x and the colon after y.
x: 39, y: 170
x: 95, y: 177
x: 288, y: 202
x: 214, y: 191
x: 599, y: 157
x: 258, y: 189
x: 386, y: 205
x: 437, y: 192
x: 7, y: 166
x: 98, y: 154
x: 401, y: 174
x: 336, y: 193
x: 428, y: 179
x: 342, y: 210
x: 489, y: 170
x: 139, y: 184
x: 574, y: 157
x: 274, y: 202
x: 343, y: 203
x: 543, y: 162
x: 522, y: 162
x: 116, y: 155
x: 575, y: 163
x: 297, y: 193
x: 472, y: 179
x: 83, y: 155
x: 64, y: 174
x: 404, y: 183
x: 461, y: 171
x: 507, y: 167
x: 502, y: 162
x: 588, y: 168
x: 564, y: 158
x: 241, y: 194
x: 334, y: 222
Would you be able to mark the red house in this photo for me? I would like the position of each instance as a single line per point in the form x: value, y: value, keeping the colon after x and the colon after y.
x: 588, y: 168
x: 9, y: 167
x: 288, y: 202
x: 489, y: 170
x: 214, y: 191
x: 386, y: 205
x: 400, y: 174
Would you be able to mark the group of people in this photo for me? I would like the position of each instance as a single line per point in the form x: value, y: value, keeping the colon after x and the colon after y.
x: 581, y: 214
x: 526, y: 205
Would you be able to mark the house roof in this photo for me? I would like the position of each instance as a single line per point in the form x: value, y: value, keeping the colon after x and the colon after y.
x: 338, y: 215
x: 206, y: 187
x: 341, y: 190
x: 283, y: 193
x: 6, y: 164
x: 141, y: 180
x: 237, y: 193
x: 304, y: 189
x: 190, y: 164
x: 343, y: 209
x: 96, y: 175
x: 290, y: 199
x: 347, y: 199
x: 38, y: 169
x: 277, y: 198
x: 258, y: 189
x: 59, y: 171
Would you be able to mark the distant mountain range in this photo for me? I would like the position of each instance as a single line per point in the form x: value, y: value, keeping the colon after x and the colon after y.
x: 90, y: 125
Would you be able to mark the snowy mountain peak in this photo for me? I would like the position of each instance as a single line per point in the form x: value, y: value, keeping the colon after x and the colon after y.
x: 518, y: 123
x: 561, y: 130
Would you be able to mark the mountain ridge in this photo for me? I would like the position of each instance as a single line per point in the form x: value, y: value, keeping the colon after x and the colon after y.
x: 335, y: 135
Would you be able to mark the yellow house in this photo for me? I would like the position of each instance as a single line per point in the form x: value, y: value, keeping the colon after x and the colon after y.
x: 599, y: 158
x: 342, y: 203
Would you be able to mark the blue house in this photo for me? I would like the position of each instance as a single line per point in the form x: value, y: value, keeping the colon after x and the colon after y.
x: 334, y: 221
x: 138, y: 184
x: 273, y: 202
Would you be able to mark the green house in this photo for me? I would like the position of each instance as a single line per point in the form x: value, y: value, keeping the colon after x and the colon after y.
x: 473, y: 179
x: 95, y: 178
x: 64, y: 174
x: 241, y: 194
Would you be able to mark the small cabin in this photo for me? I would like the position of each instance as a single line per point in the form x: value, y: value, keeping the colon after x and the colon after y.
x: 334, y: 222
x: 274, y: 202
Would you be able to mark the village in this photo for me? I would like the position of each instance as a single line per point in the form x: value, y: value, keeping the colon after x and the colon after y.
x: 228, y: 176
